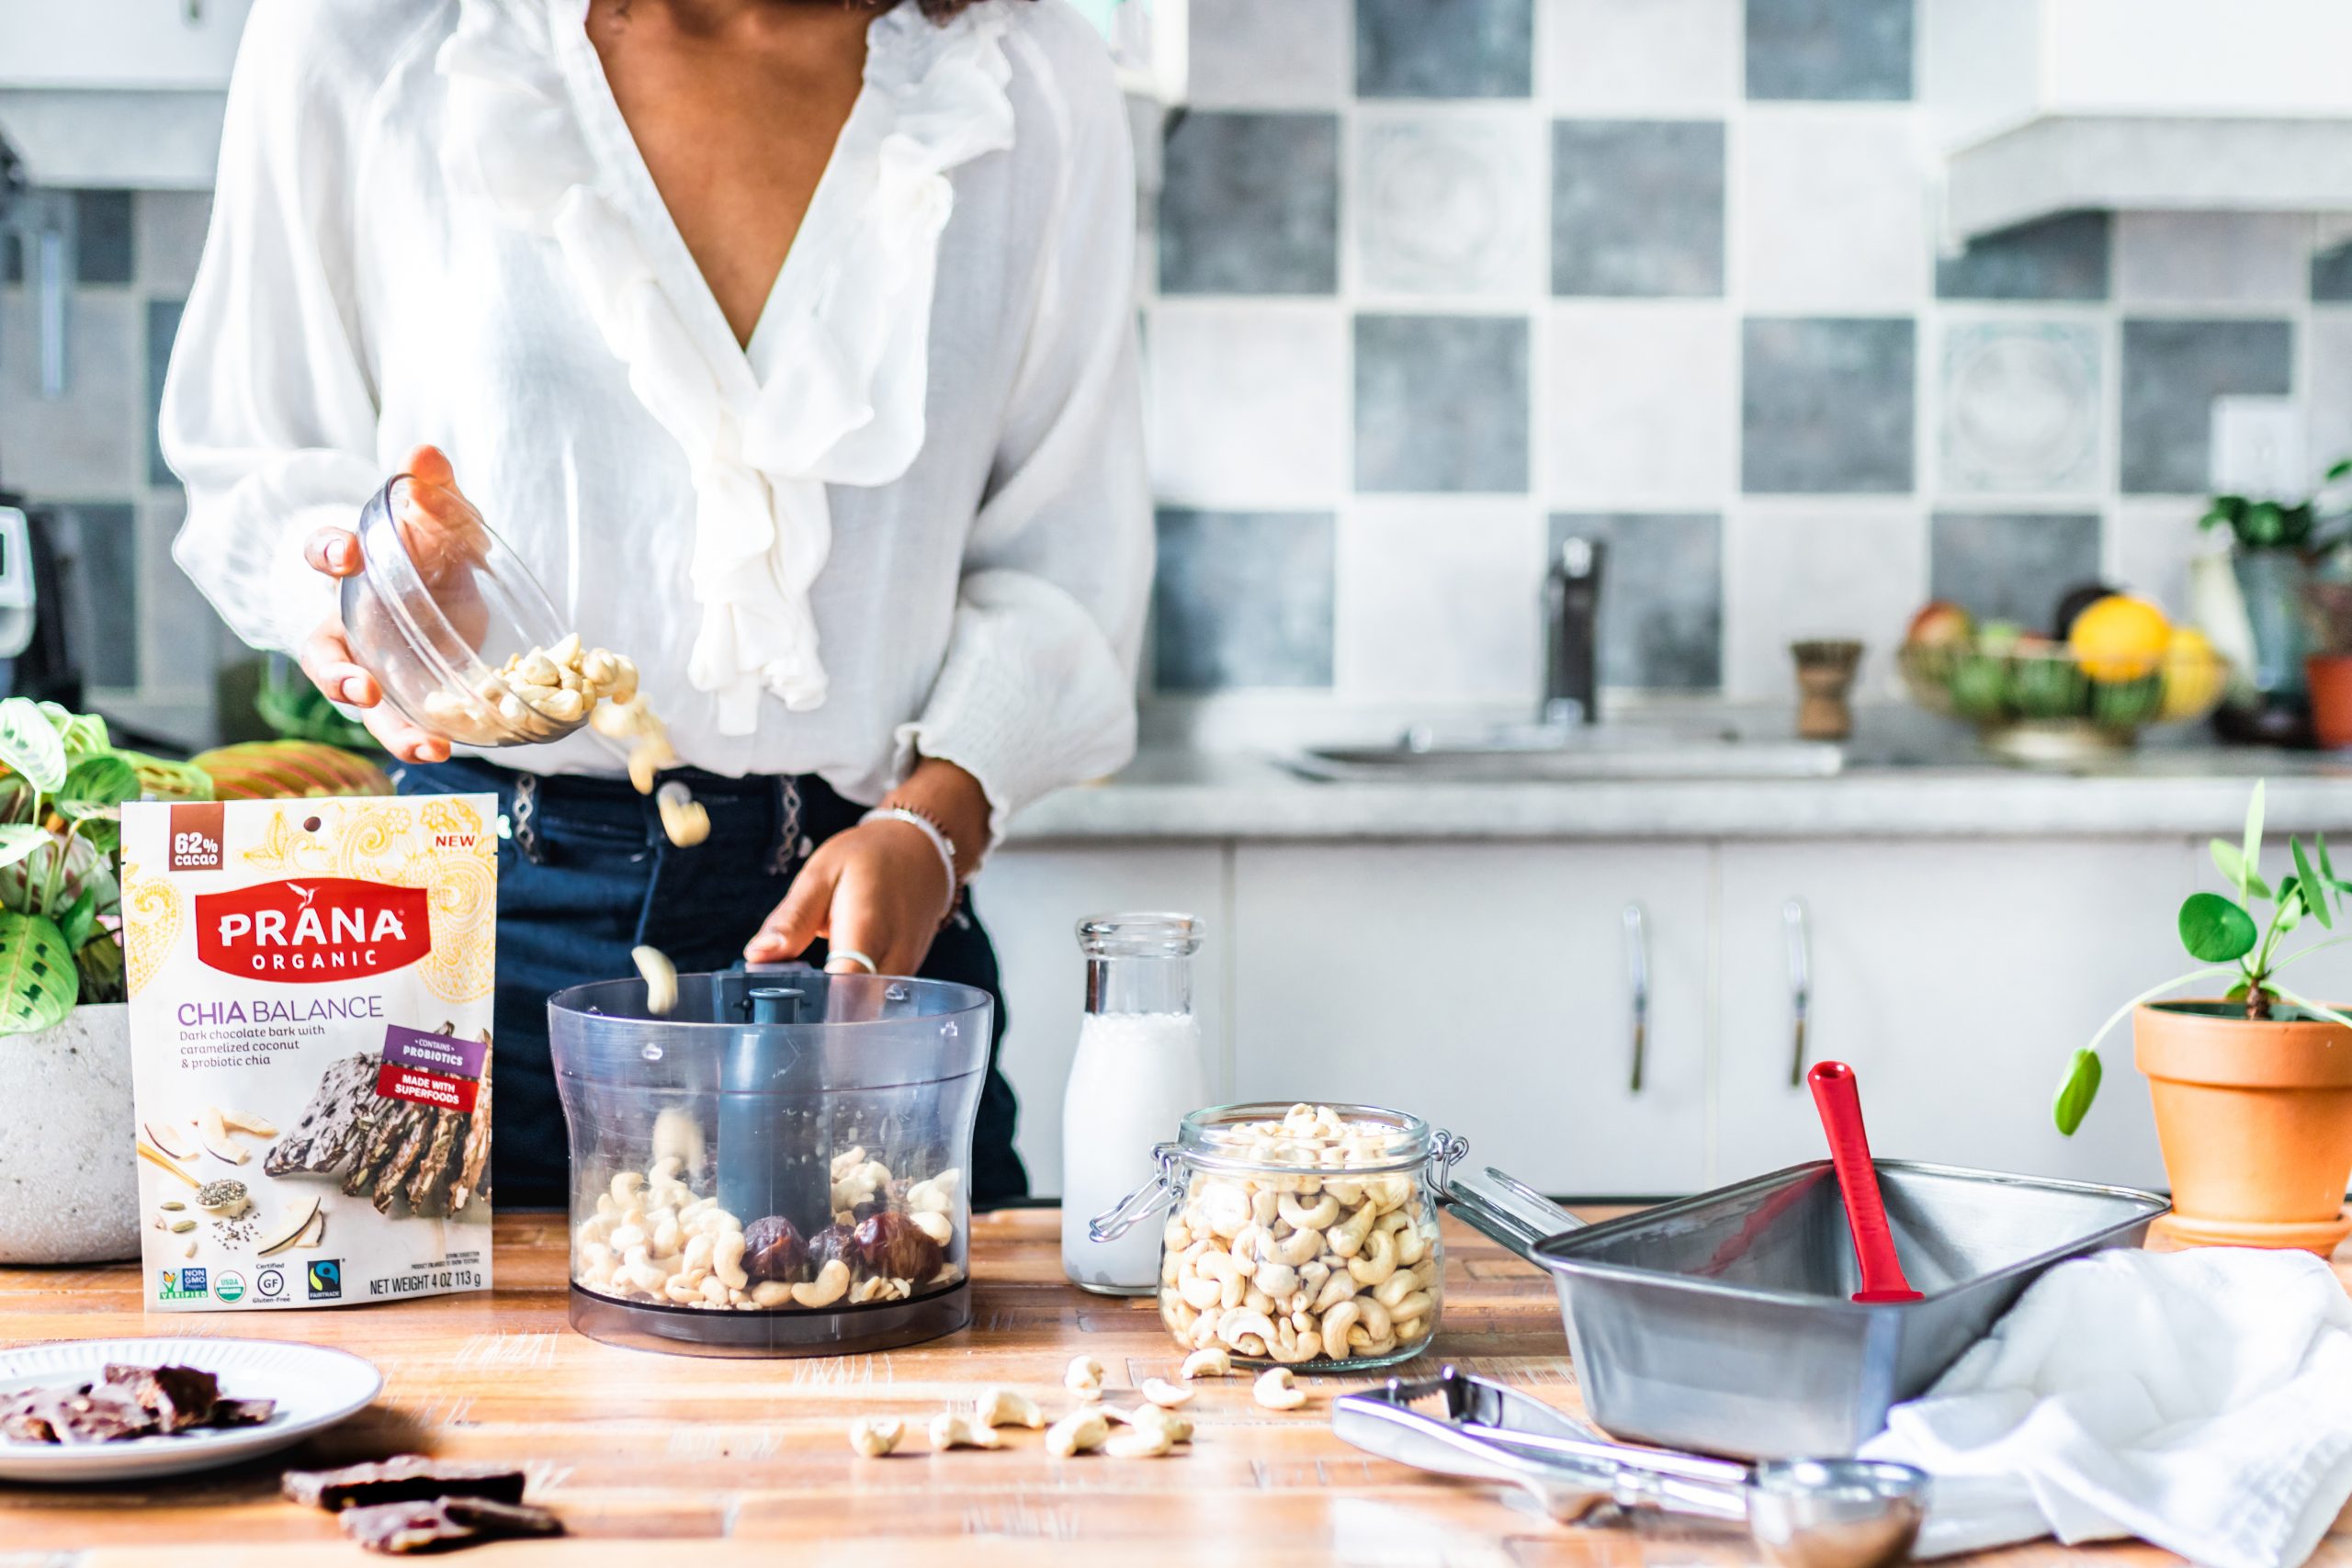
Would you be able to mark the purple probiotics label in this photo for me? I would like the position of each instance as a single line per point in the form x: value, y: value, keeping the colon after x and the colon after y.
x: 415, y: 1049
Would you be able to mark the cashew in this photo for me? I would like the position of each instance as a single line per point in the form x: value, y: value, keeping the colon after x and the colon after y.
x: 1379, y: 1259
x: 727, y: 1260
x: 1412, y: 1246
x: 661, y: 978
x: 1138, y: 1442
x: 1081, y: 1430
x: 937, y: 1227
x: 1416, y: 1305
x: 1279, y: 1279
x: 928, y: 1197
x: 626, y: 1185
x: 1239, y: 1325
x: 1151, y: 1417
x: 1347, y: 1237
x: 771, y: 1294
x: 1084, y: 1375
x: 1339, y: 1288
x: 1394, y: 1289
x: 1308, y: 1217
x: 1277, y: 1389
x: 1296, y: 1249
x: 1003, y: 1407
x: 1289, y: 1346
x: 1162, y: 1393
x: 1338, y: 1320
x: 1210, y: 1364
x: 829, y: 1286
x: 952, y: 1430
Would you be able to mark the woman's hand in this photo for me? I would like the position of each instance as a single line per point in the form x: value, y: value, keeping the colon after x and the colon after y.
x: 879, y: 890
x: 438, y: 526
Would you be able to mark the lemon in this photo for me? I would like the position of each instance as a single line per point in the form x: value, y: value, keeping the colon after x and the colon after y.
x: 2193, y: 676
x: 2120, y: 639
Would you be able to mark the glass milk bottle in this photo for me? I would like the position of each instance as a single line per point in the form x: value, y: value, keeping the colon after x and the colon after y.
x: 1137, y: 1075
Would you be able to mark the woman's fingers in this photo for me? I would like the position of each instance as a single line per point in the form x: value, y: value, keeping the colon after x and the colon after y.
x: 326, y: 659
x: 409, y: 742
x: 800, y: 919
x: 334, y: 552
x: 431, y: 465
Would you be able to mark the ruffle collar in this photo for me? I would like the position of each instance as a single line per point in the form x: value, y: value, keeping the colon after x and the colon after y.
x: 531, y: 129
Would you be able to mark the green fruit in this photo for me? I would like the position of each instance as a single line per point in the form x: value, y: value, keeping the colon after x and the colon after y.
x: 1979, y: 687
x: 1999, y: 637
x: 2126, y: 704
x: 2045, y: 688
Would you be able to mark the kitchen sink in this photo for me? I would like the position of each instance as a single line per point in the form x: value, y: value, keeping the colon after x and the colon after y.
x: 1544, y: 754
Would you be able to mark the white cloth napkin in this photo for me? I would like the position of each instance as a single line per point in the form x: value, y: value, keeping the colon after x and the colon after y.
x: 2200, y: 1400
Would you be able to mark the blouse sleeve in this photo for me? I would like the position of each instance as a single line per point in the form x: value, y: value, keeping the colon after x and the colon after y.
x: 1037, y: 688
x: 268, y: 416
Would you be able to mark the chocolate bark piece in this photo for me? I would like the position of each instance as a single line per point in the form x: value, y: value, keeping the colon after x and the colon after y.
x: 390, y: 1132
x: 177, y: 1397
x: 445, y: 1524
x: 75, y: 1416
x: 429, y: 1186
x: 341, y: 1111
x: 243, y: 1412
x: 393, y: 1179
x: 473, y: 1166
x: 405, y: 1478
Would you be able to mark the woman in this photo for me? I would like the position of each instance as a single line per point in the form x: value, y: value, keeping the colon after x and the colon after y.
x: 788, y: 341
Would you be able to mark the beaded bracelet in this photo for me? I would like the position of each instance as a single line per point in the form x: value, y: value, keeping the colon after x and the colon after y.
x: 932, y: 830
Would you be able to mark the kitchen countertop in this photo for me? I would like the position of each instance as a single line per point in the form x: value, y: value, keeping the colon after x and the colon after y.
x: 1943, y: 789
x: 741, y: 1463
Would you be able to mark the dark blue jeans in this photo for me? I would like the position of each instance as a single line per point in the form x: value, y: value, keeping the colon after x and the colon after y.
x: 585, y: 874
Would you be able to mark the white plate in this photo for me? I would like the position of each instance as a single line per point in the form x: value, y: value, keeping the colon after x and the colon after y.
x: 314, y: 1388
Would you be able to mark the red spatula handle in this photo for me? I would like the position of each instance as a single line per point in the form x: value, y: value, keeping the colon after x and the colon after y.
x: 1841, y: 1118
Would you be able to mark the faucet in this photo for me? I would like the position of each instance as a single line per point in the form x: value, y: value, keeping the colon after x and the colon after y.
x: 1571, y: 627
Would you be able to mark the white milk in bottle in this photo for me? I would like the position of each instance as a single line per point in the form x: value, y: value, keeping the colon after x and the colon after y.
x: 1137, y: 1075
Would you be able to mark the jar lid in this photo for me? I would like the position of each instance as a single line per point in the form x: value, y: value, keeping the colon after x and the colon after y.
x: 1149, y: 934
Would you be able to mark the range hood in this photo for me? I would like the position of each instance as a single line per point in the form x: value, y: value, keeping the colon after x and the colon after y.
x: 2043, y: 106
x: 134, y: 139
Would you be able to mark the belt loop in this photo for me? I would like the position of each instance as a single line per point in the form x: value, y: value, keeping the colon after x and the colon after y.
x: 523, y: 818
x: 784, y: 853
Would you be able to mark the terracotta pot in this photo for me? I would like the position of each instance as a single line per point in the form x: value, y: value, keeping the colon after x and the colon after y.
x: 2329, y: 676
x: 2255, y: 1121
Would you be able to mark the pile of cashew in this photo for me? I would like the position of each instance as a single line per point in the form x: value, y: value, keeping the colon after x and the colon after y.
x: 541, y: 686
x: 1151, y: 1430
x: 1299, y: 1261
x: 653, y: 1240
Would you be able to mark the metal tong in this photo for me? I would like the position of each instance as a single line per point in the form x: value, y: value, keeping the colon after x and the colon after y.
x: 1839, y: 1513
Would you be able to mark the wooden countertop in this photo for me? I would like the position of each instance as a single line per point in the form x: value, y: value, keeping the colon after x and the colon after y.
x: 745, y: 1463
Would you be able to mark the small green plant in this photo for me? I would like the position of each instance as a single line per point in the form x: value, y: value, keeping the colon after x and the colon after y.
x: 2227, y: 935
x: 2273, y: 525
x: 61, y: 857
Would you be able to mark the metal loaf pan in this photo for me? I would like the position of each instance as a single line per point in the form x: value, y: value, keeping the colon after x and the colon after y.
x: 1724, y: 1322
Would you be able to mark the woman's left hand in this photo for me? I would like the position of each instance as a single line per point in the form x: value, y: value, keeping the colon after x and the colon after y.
x: 879, y: 889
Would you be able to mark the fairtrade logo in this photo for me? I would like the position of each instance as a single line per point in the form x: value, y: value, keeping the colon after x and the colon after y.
x: 230, y: 1286
x: 324, y: 926
x: 326, y: 1280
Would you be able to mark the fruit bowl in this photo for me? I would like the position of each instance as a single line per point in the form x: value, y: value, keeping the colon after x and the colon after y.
x: 2039, y: 703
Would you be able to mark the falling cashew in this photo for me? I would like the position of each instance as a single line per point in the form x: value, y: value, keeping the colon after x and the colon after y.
x: 873, y: 1435
x: 1003, y: 1407
x: 1277, y: 1389
x: 1210, y: 1364
x: 952, y: 1430
x: 1081, y: 1430
x: 1084, y: 1375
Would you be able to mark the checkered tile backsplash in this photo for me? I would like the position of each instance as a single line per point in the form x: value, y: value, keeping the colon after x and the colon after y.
x: 1436, y: 283
x: 1432, y: 284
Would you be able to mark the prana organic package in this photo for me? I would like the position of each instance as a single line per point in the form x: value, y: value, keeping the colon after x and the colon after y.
x: 311, y: 1046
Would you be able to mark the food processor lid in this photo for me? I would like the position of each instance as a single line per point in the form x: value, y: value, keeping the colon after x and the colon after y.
x: 842, y: 1031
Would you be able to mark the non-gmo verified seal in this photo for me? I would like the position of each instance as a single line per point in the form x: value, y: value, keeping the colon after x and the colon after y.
x: 228, y: 1285
x: 180, y: 1285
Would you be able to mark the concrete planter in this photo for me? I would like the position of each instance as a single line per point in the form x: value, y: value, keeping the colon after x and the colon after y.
x: 69, y: 1182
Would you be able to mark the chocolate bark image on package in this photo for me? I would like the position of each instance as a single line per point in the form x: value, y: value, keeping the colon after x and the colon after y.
x: 310, y: 987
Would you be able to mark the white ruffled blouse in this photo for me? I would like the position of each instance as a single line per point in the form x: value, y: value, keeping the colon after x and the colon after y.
x: 910, y: 517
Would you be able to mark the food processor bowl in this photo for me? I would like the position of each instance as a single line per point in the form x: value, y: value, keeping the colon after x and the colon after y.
x: 774, y: 1167
x: 434, y: 631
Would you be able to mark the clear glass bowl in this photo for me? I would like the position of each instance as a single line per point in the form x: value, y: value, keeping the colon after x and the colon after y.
x: 433, y: 630
x: 774, y: 1167
x: 1303, y: 1236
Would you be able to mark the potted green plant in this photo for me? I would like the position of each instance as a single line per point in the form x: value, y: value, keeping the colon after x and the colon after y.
x: 2273, y: 544
x: 2252, y: 1090
x: 68, y: 1195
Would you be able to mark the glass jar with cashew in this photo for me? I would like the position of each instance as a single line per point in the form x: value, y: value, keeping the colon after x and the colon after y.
x: 1300, y: 1235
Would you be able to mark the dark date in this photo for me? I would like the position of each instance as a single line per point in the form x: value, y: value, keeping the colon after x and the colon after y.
x: 891, y: 1246
x: 773, y: 1249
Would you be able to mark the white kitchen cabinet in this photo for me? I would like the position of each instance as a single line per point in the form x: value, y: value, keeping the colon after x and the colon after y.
x: 1031, y: 897
x: 1486, y: 987
x: 1957, y: 979
x: 165, y: 44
